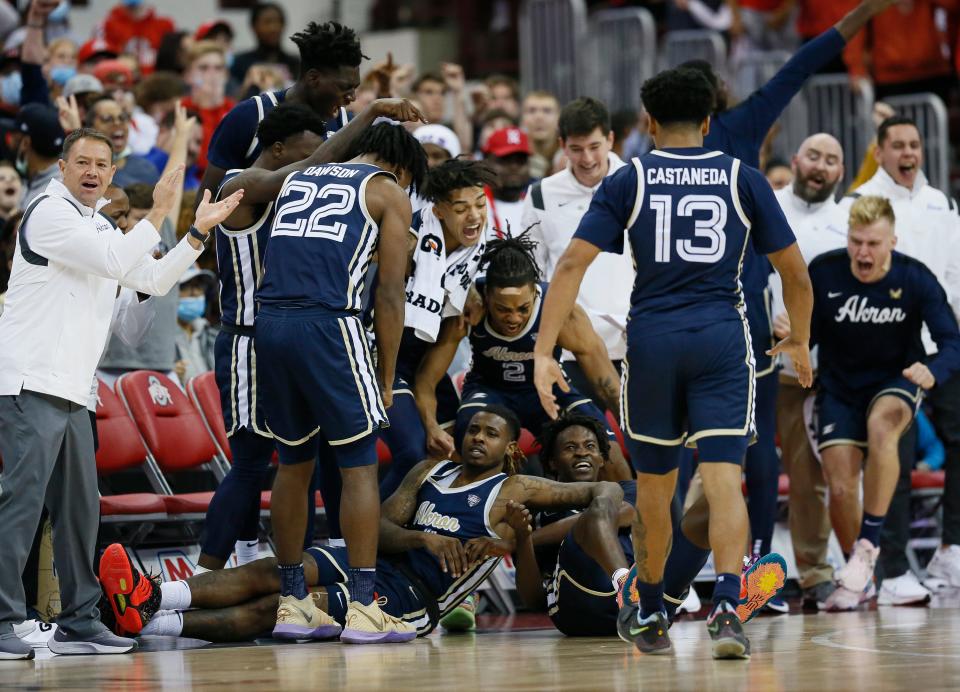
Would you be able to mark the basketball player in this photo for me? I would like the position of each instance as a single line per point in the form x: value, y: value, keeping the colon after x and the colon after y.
x: 330, y: 59
x: 320, y: 390
x: 456, y: 209
x: 870, y: 304
x: 502, y: 344
x: 441, y: 535
x: 291, y: 137
x: 689, y: 375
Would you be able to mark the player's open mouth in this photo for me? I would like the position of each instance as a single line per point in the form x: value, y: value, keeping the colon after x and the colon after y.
x: 583, y: 466
x: 10, y: 191
x: 471, y: 232
x: 90, y: 184
x: 908, y: 168
x: 864, y: 267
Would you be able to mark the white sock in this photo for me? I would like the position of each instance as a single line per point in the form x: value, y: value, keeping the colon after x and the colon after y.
x: 166, y: 623
x: 245, y: 552
x: 174, y: 595
x: 336, y: 543
x: 201, y: 570
x: 617, y: 576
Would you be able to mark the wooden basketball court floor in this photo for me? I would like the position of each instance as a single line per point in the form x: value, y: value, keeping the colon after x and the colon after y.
x: 915, y: 649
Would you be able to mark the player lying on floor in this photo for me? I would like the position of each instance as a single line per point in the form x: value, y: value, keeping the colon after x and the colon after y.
x: 441, y: 535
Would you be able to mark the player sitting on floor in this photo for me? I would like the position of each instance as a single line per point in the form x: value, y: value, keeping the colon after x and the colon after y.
x: 441, y: 534
x: 502, y: 367
x: 870, y: 305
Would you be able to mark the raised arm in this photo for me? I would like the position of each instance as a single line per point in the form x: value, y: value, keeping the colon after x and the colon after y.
x: 182, y: 129
x: 580, y: 338
x: 390, y: 208
x: 264, y: 186
x: 431, y: 370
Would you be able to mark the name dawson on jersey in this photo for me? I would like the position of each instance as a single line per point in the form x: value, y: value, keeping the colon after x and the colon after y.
x: 687, y: 176
x: 857, y: 309
x: 426, y: 516
x: 335, y: 171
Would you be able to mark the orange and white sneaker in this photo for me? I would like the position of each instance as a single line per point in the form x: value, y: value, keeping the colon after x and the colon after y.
x: 368, y: 624
x: 761, y: 581
x: 133, y: 597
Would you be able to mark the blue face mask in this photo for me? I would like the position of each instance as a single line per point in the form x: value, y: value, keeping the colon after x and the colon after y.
x: 61, y: 13
x: 10, y: 87
x: 133, y: 3
x: 61, y: 74
x: 191, y: 308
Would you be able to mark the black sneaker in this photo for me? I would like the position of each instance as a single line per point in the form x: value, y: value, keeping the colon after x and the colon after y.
x: 649, y: 635
x: 726, y: 631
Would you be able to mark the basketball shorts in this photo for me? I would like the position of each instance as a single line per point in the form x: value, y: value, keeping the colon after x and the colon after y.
x: 526, y: 404
x: 581, y: 600
x: 693, y: 387
x: 317, y: 379
x: 759, y: 317
x: 448, y: 401
x: 842, y: 416
x: 235, y: 369
x: 397, y: 595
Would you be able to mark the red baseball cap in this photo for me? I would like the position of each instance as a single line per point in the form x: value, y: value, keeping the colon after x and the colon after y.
x: 206, y: 28
x: 96, y: 47
x: 506, y: 141
x: 113, y: 74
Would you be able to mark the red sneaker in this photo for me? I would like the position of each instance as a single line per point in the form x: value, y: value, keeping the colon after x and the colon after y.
x: 763, y: 580
x: 133, y: 597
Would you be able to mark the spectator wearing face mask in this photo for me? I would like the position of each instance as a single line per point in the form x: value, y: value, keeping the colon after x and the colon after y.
x: 37, y: 140
x: 194, y: 339
x: 206, y: 76
x: 60, y: 65
x: 106, y: 115
x: 134, y: 27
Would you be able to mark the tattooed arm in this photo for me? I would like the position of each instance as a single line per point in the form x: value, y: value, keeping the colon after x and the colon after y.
x: 541, y: 493
x: 579, y: 337
x: 398, y: 510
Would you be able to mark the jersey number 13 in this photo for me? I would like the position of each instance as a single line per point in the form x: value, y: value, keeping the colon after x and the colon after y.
x: 708, y: 230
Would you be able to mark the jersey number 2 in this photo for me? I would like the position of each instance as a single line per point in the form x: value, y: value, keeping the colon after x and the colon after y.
x: 513, y: 372
x: 339, y: 199
x: 708, y: 229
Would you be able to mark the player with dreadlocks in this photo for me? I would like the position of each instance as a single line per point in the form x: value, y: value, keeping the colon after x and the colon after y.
x: 572, y: 563
x: 441, y: 535
x: 502, y: 367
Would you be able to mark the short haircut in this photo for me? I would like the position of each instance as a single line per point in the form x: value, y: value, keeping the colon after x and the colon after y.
x: 542, y: 94
x: 91, y: 107
x: 503, y: 80
x: 496, y: 114
x: 582, y: 116
x: 287, y: 120
x: 513, y: 422
x: 775, y: 163
x: 456, y: 174
x: 205, y: 47
x: 551, y: 431
x: 262, y: 7
x: 84, y: 133
x: 158, y: 87
x: 394, y: 145
x: 428, y: 77
x: 623, y: 121
x: 140, y: 195
x: 869, y: 209
x: 327, y: 46
x: 893, y: 121
x: 679, y: 96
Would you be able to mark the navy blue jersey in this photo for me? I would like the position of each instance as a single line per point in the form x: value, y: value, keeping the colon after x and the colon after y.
x: 240, y: 263
x: 506, y: 362
x: 868, y: 333
x: 235, y: 143
x: 461, y: 513
x: 689, y: 214
x: 322, y: 239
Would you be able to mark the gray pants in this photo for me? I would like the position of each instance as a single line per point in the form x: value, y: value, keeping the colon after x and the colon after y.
x: 47, y: 447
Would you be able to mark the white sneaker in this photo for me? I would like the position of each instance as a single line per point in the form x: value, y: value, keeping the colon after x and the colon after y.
x: 903, y: 590
x: 857, y: 574
x: 843, y: 599
x: 368, y: 624
x: 945, y: 565
x: 691, y: 604
x: 36, y: 633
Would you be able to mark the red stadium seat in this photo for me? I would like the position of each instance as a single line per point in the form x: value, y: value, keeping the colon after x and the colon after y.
x: 383, y: 453
x: 458, y: 381
x: 927, y: 480
x: 528, y: 443
x: 173, y: 433
x: 121, y: 448
x: 205, y: 396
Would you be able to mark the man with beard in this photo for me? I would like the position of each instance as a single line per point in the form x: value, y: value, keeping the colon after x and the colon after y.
x: 507, y: 152
x: 820, y: 226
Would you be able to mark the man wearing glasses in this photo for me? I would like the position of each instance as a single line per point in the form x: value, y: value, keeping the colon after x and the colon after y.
x: 108, y: 116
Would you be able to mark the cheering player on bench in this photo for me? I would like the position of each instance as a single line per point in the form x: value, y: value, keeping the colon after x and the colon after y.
x: 870, y: 304
x: 689, y: 374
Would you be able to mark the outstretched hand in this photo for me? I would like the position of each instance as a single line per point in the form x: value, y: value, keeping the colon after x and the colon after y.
x: 546, y: 374
x: 209, y: 215
x: 799, y: 353
x: 166, y: 189
x: 397, y: 109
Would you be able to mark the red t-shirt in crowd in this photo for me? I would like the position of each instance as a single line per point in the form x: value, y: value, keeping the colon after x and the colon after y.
x: 209, y: 119
x: 816, y: 16
x: 761, y: 5
x: 141, y: 37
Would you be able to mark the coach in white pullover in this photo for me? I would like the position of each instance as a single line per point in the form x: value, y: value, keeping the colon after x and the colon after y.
x: 553, y: 209
x: 927, y: 230
x: 810, y: 206
x: 69, y: 263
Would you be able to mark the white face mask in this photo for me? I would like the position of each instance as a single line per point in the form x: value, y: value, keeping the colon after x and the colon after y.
x: 21, y: 161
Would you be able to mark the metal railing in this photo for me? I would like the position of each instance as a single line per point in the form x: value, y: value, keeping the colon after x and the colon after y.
x: 930, y: 114
x: 552, y: 36
x: 681, y: 46
x: 833, y: 107
x: 619, y: 55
